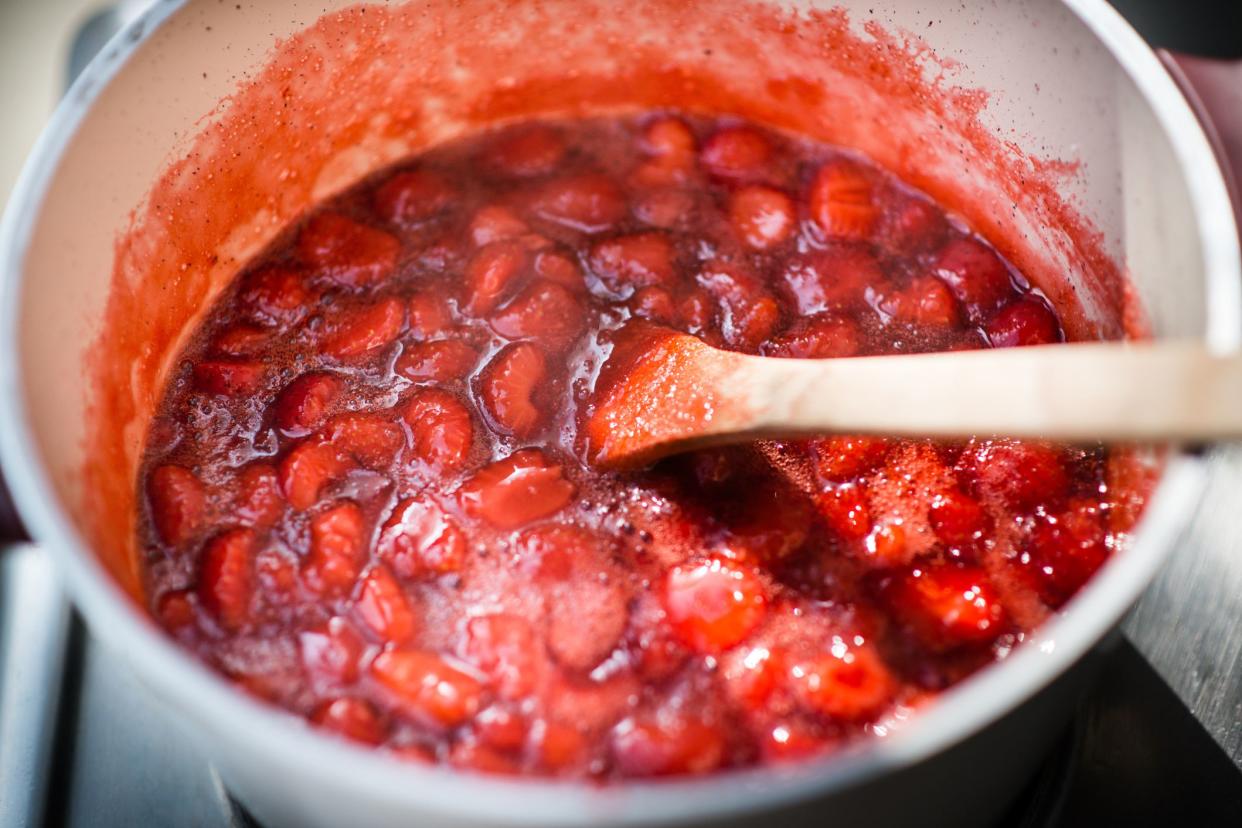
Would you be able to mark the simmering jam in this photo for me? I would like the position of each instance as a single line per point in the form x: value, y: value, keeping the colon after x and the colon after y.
x: 368, y: 499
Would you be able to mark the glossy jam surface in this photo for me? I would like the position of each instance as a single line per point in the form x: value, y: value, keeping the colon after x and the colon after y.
x: 367, y: 499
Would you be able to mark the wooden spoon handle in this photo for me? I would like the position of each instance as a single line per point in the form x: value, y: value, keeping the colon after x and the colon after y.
x: 1174, y: 391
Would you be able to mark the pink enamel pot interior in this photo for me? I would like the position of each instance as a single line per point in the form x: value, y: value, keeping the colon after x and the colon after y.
x: 198, y: 134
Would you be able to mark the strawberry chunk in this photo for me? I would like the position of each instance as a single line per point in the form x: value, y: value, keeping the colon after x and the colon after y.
x: 559, y: 268
x: 957, y: 519
x: 588, y: 202
x: 259, y: 502
x: 517, y: 490
x: 304, y: 404
x: 762, y: 217
x: 443, y: 360
x: 665, y: 207
x: 947, y: 606
x: 822, y: 336
x: 926, y: 302
x: 242, y: 341
x: 496, y: 223
x: 504, y: 647
x: 1021, y: 474
x: 489, y: 274
x: 752, y: 675
x: 846, y: 511
x: 383, y: 607
x: 674, y: 743
x: 442, y: 429
x: 371, y: 439
x: 748, y: 313
x: 175, y: 610
x: 413, y: 196
x: 352, y: 718
x: 668, y: 136
x: 714, y: 605
x: 1028, y: 321
x: 847, y: 682
x: 226, y: 581
x: 345, y: 252
x: 544, y: 311
x: 420, y: 539
x: 843, y: 457
x: 975, y: 275
x: 275, y: 297
x: 361, y: 330
x: 838, y: 278
x: 337, y: 549
x: 310, y: 466
x: 331, y: 652
x: 500, y: 728
x: 914, y: 226
x: 841, y: 201
x: 428, y: 686
x: 626, y: 263
x: 178, y: 502
x: 736, y: 152
x: 508, y: 388
x: 526, y: 152
x: 1065, y: 550
x: 558, y: 747
x: 654, y: 303
x: 429, y: 316
x: 229, y: 378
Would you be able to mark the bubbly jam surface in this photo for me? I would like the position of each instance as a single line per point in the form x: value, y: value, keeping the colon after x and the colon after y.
x: 367, y: 499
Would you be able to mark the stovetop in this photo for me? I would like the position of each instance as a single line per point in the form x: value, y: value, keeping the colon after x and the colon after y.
x: 1157, y: 742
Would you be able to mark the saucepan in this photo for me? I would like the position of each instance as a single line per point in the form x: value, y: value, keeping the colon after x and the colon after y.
x: 208, y: 125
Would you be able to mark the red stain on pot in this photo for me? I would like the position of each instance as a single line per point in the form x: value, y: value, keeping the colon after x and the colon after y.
x: 366, y: 85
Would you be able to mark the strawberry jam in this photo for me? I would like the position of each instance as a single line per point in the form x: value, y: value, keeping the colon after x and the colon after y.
x: 367, y: 498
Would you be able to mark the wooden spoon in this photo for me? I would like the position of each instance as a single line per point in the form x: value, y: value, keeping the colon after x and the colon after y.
x: 661, y: 392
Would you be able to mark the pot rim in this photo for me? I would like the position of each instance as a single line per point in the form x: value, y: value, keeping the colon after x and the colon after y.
x: 287, y: 741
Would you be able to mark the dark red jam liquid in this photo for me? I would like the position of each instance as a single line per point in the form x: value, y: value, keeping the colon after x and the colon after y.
x: 367, y: 500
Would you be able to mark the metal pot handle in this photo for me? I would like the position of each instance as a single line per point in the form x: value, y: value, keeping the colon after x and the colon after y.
x: 1213, y: 88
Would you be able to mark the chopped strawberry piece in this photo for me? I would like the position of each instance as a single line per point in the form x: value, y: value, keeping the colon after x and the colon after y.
x: 696, y: 311
x: 665, y: 208
x: 558, y: 747
x: 838, y: 278
x: 242, y: 341
x: 668, y: 137
x: 654, y: 303
x: 822, y: 336
x: 926, y: 301
x: 226, y: 581
x: 845, y: 510
x: 589, y: 203
x: 916, y: 225
x: 1065, y: 550
x: 544, y: 311
x: 714, y: 605
x: 490, y: 273
x: 736, y: 152
x: 346, y: 252
x: 429, y: 316
x: 428, y: 686
x: 508, y: 388
x: 413, y: 196
x: 843, y: 457
x: 361, y: 330
x: 310, y: 466
x: 762, y: 217
x: 561, y: 269
x: 957, y: 519
x: 976, y: 275
x: 947, y: 606
x: 848, y: 682
x: 526, y: 152
x: 587, y: 609
x: 501, y: 728
x: 495, y: 223
x: 352, y: 718
x: 504, y: 647
x: 443, y: 360
x: 1028, y: 321
x: 337, y: 549
x: 668, y: 744
x: 442, y: 429
x: 174, y: 610
x: 178, y: 503
x: 304, y: 404
x: 229, y: 378
x: 383, y: 607
x: 751, y: 676
x: 277, y: 572
x: 512, y: 492
x: 841, y: 201
x: 331, y: 652
x: 1022, y: 475
x: 275, y: 297
x: 748, y: 314
x: 419, y: 539
x: 259, y: 502
x: 371, y: 439
x: 626, y: 263
x: 887, y: 544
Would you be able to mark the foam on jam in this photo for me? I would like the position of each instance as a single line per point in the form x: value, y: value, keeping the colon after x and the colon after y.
x: 367, y: 498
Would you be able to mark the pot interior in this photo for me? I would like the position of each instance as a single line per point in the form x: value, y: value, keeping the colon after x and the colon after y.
x: 227, y: 122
